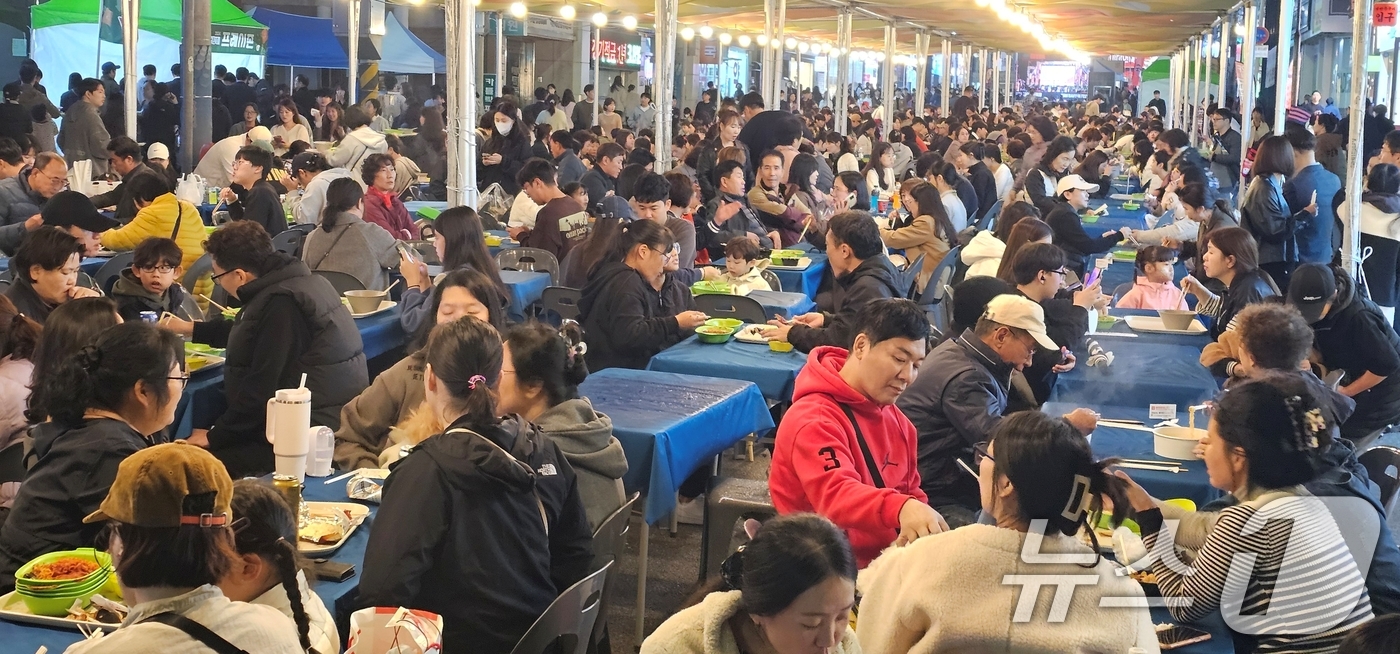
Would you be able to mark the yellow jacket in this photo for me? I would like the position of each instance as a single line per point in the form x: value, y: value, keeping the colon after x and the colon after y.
x: 158, y: 219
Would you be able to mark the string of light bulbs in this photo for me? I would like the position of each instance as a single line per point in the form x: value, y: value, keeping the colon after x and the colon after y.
x: 1022, y: 19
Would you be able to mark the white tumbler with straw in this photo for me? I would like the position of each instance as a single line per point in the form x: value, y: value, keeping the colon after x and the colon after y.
x: 289, y: 429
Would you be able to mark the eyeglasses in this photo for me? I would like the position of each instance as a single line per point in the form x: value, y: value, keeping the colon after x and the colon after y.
x: 979, y: 452
x: 184, y: 380
x: 56, y: 179
x: 215, y: 278
x: 158, y: 269
x: 1062, y: 272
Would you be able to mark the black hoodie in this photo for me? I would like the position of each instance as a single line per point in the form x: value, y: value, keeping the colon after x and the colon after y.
x: 74, y: 469
x: 626, y: 320
x: 462, y: 532
x: 1356, y: 338
x: 873, y: 279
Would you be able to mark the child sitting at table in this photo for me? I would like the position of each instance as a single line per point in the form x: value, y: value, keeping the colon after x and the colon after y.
x: 149, y: 284
x: 1153, y: 285
x: 743, y: 266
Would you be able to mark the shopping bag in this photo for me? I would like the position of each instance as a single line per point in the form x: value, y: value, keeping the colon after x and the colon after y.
x: 191, y: 189
x: 80, y: 176
x: 390, y: 630
x: 495, y: 203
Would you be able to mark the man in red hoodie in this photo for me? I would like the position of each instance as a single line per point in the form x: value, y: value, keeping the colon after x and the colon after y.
x: 843, y: 450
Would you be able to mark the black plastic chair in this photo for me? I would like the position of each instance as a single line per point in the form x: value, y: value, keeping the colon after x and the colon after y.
x: 1382, y: 464
x: 107, y: 275
x: 530, y: 260
x: 12, y: 462
x: 731, y: 306
x: 937, y: 289
x: 202, y: 266
x: 1121, y: 290
x: 774, y: 284
x: 566, y: 626
x: 342, y: 282
x: 908, y: 277
x: 609, y: 544
x: 425, y: 228
x: 561, y: 300
x: 988, y: 219
x: 289, y: 241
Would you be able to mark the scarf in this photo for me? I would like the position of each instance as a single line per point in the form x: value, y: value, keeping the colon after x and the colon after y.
x: 1386, y: 202
x: 385, y: 196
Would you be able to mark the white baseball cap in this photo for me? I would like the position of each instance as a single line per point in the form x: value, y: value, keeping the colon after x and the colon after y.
x: 158, y: 151
x: 1021, y: 313
x: 1074, y: 181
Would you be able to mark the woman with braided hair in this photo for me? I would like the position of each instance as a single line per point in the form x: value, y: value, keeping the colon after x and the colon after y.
x: 791, y: 589
x: 106, y: 402
x: 269, y: 571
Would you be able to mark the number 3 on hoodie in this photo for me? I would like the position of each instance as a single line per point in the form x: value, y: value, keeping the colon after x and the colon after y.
x: 829, y: 453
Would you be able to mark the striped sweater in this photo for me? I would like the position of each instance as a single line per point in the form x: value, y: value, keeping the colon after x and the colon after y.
x: 1302, y: 591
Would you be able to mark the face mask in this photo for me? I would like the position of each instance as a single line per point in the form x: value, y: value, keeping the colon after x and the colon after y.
x: 504, y: 128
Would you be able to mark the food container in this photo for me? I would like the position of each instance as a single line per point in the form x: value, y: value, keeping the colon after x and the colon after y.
x: 786, y: 257
x: 1107, y: 322
x: 1131, y: 205
x: 731, y: 323
x: 714, y: 335
x: 23, y: 581
x: 1139, y: 196
x: 365, y: 301
x: 1181, y: 503
x: 1176, y: 319
x: 1176, y: 442
x: 780, y: 346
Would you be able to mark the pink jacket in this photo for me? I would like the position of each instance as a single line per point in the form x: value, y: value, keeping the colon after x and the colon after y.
x: 1151, y: 295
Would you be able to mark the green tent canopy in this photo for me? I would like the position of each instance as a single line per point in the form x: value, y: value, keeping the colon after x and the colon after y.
x: 232, y: 30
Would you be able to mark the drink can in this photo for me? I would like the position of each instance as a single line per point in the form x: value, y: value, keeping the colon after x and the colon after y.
x: 150, y: 317
x: 289, y: 487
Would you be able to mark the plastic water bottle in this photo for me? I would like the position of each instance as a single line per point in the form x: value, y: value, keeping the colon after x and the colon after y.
x: 874, y: 203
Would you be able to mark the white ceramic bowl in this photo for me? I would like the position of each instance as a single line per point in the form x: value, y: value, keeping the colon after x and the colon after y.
x: 1176, y: 442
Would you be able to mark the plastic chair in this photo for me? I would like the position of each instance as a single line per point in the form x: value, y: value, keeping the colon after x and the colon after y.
x: 1382, y: 464
x: 937, y: 289
x: 774, y: 284
x: 566, y: 625
x: 302, y: 227
x: 425, y: 228
x: 1121, y: 290
x: 609, y: 543
x: 562, y: 300
x: 529, y: 260
x: 731, y: 306
x: 728, y: 500
x: 988, y: 219
x: 289, y: 241
x: 908, y: 277
x: 342, y: 282
x: 202, y: 266
x: 107, y: 275
x: 12, y: 462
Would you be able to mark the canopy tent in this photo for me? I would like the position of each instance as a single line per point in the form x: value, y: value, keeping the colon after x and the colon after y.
x: 294, y: 40
x: 1157, y: 77
x: 402, y: 52
x: 65, y: 38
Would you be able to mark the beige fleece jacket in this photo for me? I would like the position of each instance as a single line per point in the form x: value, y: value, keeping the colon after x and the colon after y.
x: 704, y: 629
x: 366, y: 420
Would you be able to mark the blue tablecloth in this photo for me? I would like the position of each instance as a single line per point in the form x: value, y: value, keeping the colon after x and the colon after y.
x: 1133, y: 444
x: 1198, y: 341
x: 25, y: 638
x: 805, y: 281
x: 89, y: 265
x: 1142, y: 373
x: 525, y: 289
x: 203, y: 400
x: 783, y: 303
x: 670, y: 425
x: 773, y: 372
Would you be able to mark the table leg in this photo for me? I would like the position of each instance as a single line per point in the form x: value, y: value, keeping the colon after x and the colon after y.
x: 641, y: 609
x: 675, y: 522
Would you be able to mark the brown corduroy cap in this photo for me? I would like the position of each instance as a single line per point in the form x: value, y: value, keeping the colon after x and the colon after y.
x: 152, y: 485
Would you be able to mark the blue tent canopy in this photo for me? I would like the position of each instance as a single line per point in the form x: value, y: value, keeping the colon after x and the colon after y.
x: 403, y: 52
x: 294, y: 40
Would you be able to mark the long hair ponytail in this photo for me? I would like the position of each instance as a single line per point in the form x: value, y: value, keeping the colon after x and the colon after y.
x: 342, y: 195
x: 271, y: 534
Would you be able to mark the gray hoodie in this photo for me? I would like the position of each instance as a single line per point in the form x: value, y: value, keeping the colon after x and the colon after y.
x: 585, y: 437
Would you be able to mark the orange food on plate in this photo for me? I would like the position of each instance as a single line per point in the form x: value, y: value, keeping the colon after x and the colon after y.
x: 68, y: 567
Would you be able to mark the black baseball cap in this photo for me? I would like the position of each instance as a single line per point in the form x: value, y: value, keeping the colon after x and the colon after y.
x: 73, y: 208
x: 1310, y: 288
x: 109, y: 66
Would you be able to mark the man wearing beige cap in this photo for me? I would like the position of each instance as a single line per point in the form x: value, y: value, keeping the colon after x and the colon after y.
x: 217, y: 164
x: 170, y: 506
x: 961, y: 394
x: 158, y: 160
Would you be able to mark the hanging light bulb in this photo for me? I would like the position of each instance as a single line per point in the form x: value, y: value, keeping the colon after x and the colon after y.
x: 725, y: 38
x: 761, y: 40
x: 775, y: 44
x: 802, y: 47
x: 687, y: 33
x: 567, y: 12
x: 790, y: 43
x: 600, y: 19
x: 706, y: 31
x: 744, y: 40
x: 629, y: 22
x: 518, y: 10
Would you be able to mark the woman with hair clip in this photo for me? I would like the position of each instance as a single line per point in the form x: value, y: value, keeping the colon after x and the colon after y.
x: 460, y: 243
x: 925, y: 232
x: 622, y: 308
x: 1038, y: 480
x: 482, y: 475
x: 1230, y: 257
x: 69, y: 328
x: 108, y: 400
x: 1265, y: 440
x: 790, y: 590
x: 983, y: 255
x: 389, y: 412
x: 172, y: 541
x: 539, y: 383
x: 269, y: 571
x: 346, y: 243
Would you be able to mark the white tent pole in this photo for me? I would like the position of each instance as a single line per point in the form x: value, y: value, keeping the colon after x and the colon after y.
x: 352, y: 91
x: 946, y: 71
x: 1247, y: 93
x: 887, y: 75
x: 461, y: 103
x: 920, y: 87
x: 1283, y: 64
x: 1356, y: 158
x: 1226, y: 40
x: 663, y: 79
x: 131, y: 27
